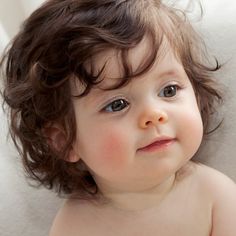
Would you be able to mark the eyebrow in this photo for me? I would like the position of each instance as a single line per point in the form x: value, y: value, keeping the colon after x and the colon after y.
x: 178, y: 72
x: 172, y: 71
x: 99, y: 92
x: 95, y: 94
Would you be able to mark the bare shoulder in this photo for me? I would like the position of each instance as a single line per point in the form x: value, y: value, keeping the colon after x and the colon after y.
x: 71, y: 220
x: 217, y: 185
x: 212, y: 178
x: 222, y: 191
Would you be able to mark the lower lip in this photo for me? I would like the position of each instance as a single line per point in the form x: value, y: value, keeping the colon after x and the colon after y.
x: 157, y: 146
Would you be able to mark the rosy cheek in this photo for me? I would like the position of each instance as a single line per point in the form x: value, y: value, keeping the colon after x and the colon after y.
x: 113, y: 148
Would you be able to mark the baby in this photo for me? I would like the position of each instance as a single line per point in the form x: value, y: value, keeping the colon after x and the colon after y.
x: 109, y: 101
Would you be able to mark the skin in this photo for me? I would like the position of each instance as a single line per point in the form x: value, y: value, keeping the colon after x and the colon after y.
x: 113, y: 152
x: 150, y: 191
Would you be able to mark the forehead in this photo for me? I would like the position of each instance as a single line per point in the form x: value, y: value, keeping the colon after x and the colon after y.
x: 166, y: 62
x: 111, y: 60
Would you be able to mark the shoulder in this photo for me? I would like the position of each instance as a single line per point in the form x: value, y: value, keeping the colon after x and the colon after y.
x: 71, y: 220
x: 210, y: 175
x: 217, y: 185
x: 222, y: 192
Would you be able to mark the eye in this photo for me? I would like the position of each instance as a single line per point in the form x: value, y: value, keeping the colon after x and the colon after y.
x: 169, y: 91
x: 116, y: 105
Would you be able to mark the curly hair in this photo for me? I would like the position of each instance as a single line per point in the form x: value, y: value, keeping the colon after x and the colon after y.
x: 53, y: 46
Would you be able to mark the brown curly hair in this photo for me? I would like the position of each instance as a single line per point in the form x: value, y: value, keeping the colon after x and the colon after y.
x: 53, y: 46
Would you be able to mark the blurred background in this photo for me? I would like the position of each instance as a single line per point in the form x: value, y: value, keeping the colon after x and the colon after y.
x: 24, y: 210
x: 28, y: 211
x: 12, y: 13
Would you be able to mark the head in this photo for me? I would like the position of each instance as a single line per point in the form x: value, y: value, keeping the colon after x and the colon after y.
x: 62, y: 54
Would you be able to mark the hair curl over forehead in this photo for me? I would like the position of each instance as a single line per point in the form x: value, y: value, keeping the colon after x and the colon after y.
x: 54, y: 45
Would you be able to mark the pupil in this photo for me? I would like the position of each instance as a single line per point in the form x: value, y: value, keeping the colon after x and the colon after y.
x: 170, y: 91
x: 117, y: 105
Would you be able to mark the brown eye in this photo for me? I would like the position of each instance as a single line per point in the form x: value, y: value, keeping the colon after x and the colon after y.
x: 169, y: 91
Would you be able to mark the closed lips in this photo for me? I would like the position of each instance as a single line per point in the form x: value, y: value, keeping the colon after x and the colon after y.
x: 157, y: 144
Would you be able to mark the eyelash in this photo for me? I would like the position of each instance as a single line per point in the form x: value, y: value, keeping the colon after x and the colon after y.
x: 124, y: 103
x: 175, y: 86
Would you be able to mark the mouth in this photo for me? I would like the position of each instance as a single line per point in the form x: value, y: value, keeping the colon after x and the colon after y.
x: 158, y: 144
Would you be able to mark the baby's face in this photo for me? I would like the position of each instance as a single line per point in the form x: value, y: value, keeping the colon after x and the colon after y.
x: 135, y: 137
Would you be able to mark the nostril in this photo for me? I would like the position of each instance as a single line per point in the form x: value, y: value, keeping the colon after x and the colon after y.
x: 160, y: 120
x: 154, y: 118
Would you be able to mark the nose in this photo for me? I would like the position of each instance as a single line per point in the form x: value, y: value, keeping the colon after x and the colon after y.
x: 152, y: 117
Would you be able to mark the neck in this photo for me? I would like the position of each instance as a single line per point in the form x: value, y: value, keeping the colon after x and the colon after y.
x: 135, y: 202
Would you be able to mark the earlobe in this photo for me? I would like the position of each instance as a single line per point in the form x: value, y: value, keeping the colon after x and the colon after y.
x: 73, y: 156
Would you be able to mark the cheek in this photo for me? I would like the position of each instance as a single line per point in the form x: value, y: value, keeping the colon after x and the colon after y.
x: 194, y: 126
x: 192, y: 130
x: 107, y: 151
x: 112, y: 142
x: 193, y: 119
x: 113, y: 147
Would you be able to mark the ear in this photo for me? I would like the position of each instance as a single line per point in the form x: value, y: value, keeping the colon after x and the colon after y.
x: 73, y: 156
x: 56, y: 139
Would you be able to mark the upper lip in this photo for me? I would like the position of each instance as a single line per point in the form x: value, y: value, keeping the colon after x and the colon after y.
x: 159, y: 139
